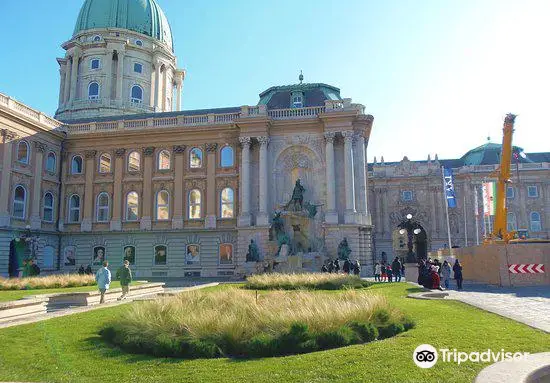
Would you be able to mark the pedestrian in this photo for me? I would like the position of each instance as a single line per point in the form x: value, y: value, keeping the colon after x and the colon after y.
x: 124, y: 274
x: 34, y: 269
x: 438, y: 265
x: 357, y: 267
x: 446, y: 273
x: 389, y: 272
x: 103, y: 279
x: 330, y: 266
x: 89, y: 270
x: 384, y: 274
x: 377, y: 272
x: 81, y: 270
x: 26, y: 268
x: 324, y: 269
x: 346, y: 267
x: 396, y: 269
x: 336, y: 266
x: 436, y: 281
x: 457, y: 269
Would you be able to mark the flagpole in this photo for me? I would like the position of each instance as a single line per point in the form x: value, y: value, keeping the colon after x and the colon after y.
x: 465, y: 225
x: 447, y: 212
x: 476, y: 214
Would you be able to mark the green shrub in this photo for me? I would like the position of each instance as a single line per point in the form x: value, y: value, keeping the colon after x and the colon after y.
x: 366, y: 331
x: 381, y: 316
x: 390, y: 330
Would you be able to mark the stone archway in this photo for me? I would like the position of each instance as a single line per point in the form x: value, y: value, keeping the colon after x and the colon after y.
x: 17, y: 254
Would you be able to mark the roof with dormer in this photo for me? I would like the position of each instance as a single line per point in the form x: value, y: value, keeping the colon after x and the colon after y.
x: 315, y: 94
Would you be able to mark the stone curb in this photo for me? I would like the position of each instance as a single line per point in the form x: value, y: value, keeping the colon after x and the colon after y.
x: 535, y: 368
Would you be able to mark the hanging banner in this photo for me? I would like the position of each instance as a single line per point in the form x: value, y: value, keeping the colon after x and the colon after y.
x: 449, y: 187
x: 489, y: 198
x: 476, y: 203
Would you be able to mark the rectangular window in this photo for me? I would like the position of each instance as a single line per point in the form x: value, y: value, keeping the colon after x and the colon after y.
x: 407, y: 195
x: 138, y: 68
x: 532, y: 191
x: 94, y: 64
x: 510, y: 192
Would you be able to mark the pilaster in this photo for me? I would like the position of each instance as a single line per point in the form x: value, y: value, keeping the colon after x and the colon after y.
x: 147, y: 203
x: 349, y: 215
x: 179, y: 156
x: 86, y: 224
x: 263, y: 216
x: 116, y: 220
x: 331, y: 216
x: 7, y: 141
x: 210, y: 221
x: 244, y: 218
x: 36, y: 221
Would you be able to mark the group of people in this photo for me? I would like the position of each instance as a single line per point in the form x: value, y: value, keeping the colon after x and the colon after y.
x: 388, y: 273
x: 87, y: 270
x: 103, y: 279
x: 432, y: 272
x: 30, y: 268
x: 349, y: 267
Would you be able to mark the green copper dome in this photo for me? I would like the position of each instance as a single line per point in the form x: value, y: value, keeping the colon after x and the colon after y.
x: 142, y: 16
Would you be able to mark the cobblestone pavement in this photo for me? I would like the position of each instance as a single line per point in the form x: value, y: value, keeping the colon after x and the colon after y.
x: 529, y: 305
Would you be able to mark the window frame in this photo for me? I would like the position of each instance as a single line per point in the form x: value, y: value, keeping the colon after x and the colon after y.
x: 50, y: 154
x: 220, y: 254
x: 139, y: 42
x: 127, y: 207
x: 511, y: 195
x: 404, y: 192
x: 71, y: 209
x: 531, y: 221
x: 99, y: 208
x: 94, y: 97
x: 44, y: 207
x: 160, y: 153
x: 27, y: 158
x: 96, y: 38
x: 224, y: 148
x: 94, y: 59
x: 24, y: 202
x: 510, y: 227
x: 232, y: 203
x: 191, y: 205
x: 124, y: 254
x: 163, y: 206
x: 133, y: 99
x: 129, y: 160
x: 81, y: 164
x: 140, y: 66
x: 110, y: 163
x: 187, y: 262
x: 52, y: 266
x: 165, y: 255
x: 533, y: 187
x: 201, y: 158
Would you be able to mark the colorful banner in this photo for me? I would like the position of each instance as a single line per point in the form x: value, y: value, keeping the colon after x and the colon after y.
x: 489, y: 198
x: 449, y: 187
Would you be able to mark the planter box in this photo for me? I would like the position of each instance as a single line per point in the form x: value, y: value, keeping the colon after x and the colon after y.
x: 22, y: 308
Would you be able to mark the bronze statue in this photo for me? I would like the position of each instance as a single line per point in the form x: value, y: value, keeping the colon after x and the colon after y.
x: 253, y: 254
x: 343, y: 249
x: 297, y: 196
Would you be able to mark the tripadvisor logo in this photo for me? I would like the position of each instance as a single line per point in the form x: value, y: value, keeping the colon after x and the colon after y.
x: 426, y: 356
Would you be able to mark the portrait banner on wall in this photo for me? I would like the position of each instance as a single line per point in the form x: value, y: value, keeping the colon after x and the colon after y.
x: 69, y: 258
x: 192, y: 255
x: 160, y: 255
x: 98, y: 256
x: 130, y: 254
x: 226, y: 254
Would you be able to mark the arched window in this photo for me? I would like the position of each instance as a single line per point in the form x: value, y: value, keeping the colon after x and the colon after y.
x: 76, y: 165
x: 194, y: 204
x: 48, y: 207
x: 164, y: 160
x: 160, y: 255
x: 19, y: 202
x: 105, y: 163
x: 134, y: 162
x: 102, y: 206
x: 74, y: 208
x: 137, y: 94
x: 139, y: 43
x: 23, y: 152
x: 227, y: 203
x: 195, y: 158
x: 51, y: 162
x: 535, y: 222
x: 511, y: 222
x: 48, y: 257
x: 93, y: 91
x: 163, y: 205
x: 130, y: 254
x: 132, y: 206
x: 97, y: 38
x: 227, y: 158
x: 226, y: 253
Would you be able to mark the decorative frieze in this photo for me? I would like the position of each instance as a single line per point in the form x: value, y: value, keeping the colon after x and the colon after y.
x: 40, y: 146
x: 90, y: 154
x: 179, y: 149
x: 120, y: 152
x: 148, y: 151
x: 245, y: 141
x: 329, y: 137
x: 211, y: 147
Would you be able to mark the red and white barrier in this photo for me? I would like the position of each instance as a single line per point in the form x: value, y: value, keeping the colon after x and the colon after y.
x: 528, y: 268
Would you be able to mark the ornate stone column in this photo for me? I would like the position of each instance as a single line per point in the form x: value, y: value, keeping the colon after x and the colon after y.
x: 74, y: 74
x: 116, y: 220
x: 63, y: 163
x: 67, y: 84
x: 331, y: 216
x: 349, y: 215
x: 263, y: 216
x: 86, y: 224
x: 36, y: 221
x: 120, y: 76
x: 179, y: 85
x: 108, y: 65
x: 177, y: 218
x: 7, y: 142
x: 360, y: 171
x: 153, y: 91
x: 158, y: 87
x: 147, y: 201
x: 244, y: 217
x: 210, y: 221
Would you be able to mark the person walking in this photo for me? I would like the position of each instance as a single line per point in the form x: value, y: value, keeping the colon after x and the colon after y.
x: 336, y: 266
x: 324, y: 269
x: 357, y: 267
x: 383, y: 270
x: 396, y: 269
x: 346, y: 267
x: 457, y: 269
x: 124, y: 274
x: 446, y: 273
x: 389, y: 272
x: 377, y: 272
x: 103, y: 279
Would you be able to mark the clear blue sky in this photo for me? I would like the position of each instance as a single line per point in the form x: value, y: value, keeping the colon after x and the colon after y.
x: 438, y: 76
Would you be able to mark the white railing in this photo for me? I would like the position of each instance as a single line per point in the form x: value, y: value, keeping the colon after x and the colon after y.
x: 106, y: 126
x: 24, y: 110
x: 284, y: 114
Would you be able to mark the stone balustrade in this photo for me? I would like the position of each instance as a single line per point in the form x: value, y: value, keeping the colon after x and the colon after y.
x: 29, y: 113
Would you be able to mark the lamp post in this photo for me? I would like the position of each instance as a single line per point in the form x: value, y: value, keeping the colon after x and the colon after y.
x: 410, y: 228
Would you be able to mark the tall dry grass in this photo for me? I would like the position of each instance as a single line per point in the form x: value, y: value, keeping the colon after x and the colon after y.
x: 47, y: 282
x: 318, y: 281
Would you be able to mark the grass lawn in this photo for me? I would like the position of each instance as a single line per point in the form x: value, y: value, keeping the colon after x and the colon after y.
x: 68, y: 349
x: 12, y: 295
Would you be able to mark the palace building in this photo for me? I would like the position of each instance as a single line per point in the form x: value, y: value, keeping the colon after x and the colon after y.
x: 122, y: 172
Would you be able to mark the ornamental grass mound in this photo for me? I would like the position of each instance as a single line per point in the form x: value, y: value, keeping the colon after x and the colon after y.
x: 47, y: 282
x: 305, y: 281
x: 241, y: 324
